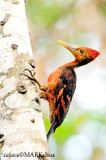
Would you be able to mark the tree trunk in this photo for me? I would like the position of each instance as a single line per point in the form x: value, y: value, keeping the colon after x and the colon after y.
x: 22, y: 132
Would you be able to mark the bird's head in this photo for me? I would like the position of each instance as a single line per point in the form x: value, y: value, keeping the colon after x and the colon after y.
x: 83, y: 55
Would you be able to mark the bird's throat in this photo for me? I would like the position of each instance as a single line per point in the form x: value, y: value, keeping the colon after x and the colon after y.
x: 72, y: 64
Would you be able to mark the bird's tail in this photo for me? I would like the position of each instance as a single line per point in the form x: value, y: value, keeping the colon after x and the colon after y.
x: 51, y: 130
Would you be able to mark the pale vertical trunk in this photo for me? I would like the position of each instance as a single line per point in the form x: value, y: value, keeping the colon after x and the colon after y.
x: 21, y: 124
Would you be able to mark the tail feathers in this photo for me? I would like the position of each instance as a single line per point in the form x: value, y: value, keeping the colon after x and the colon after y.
x: 51, y: 130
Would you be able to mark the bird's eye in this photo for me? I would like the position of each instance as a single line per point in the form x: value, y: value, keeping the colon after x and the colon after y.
x: 81, y: 51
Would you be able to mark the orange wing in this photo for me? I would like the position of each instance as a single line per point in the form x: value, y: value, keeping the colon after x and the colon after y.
x: 63, y: 93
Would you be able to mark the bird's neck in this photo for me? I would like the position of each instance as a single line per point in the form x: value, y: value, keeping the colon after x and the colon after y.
x: 72, y: 64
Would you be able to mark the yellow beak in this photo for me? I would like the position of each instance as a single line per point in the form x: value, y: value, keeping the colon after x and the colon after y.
x: 71, y: 49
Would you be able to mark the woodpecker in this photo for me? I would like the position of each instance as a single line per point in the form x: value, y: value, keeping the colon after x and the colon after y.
x: 61, y: 85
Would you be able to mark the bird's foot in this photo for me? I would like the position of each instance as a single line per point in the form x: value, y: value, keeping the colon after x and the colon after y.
x: 43, y: 93
x: 32, y: 78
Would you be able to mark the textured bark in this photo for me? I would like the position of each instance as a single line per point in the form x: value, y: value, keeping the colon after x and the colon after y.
x: 22, y: 130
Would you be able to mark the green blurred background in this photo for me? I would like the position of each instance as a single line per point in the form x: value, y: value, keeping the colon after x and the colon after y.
x: 82, y: 136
